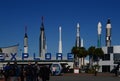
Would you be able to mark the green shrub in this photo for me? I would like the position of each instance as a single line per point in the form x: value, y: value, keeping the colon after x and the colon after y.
x: 91, y: 71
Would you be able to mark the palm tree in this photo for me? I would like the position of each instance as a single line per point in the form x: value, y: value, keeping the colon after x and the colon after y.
x: 91, y: 52
x: 82, y: 54
x: 0, y: 50
x: 85, y: 53
x: 98, y: 54
x: 75, y: 51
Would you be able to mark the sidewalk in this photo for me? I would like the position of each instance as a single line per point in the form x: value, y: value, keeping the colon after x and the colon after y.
x: 86, y: 74
x: 1, y: 79
x: 83, y: 77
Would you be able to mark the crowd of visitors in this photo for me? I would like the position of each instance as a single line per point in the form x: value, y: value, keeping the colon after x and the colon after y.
x: 29, y: 72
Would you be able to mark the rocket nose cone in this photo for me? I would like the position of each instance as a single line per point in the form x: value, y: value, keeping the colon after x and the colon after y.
x: 60, y: 28
x: 108, y: 22
x: 78, y: 25
x: 99, y: 28
x: 99, y: 24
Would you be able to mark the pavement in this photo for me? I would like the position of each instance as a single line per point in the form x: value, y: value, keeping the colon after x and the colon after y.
x: 83, y: 77
x: 86, y: 77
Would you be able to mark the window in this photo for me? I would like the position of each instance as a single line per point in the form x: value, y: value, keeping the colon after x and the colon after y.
x: 106, y: 57
x: 106, y: 68
x: 110, y: 50
x: 116, y: 57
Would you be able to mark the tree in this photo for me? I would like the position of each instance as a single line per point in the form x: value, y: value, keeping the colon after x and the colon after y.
x: 98, y: 54
x: 82, y: 54
x: 91, y: 52
x: 79, y: 52
x: 75, y: 51
x: 0, y: 50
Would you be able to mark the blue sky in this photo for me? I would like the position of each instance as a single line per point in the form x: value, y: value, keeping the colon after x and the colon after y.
x: 16, y: 14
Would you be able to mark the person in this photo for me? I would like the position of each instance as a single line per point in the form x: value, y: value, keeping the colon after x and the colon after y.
x: 36, y: 71
x: 53, y: 70
x: 14, y: 72
x: 116, y: 70
x: 6, y: 72
x: 1, y: 73
x: 96, y: 70
x: 29, y: 72
x: 45, y: 73
x: 22, y: 73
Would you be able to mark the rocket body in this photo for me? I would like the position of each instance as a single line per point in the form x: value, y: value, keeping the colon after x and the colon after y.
x: 60, y: 40
x: 25, y: 41
x: 42, y: 42
x: 82, y: 43
x: 25, y: 45
x: 99, y: 34
x: 108, y: 33
x: 78, y: 36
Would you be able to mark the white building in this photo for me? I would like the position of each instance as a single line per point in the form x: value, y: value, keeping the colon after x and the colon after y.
x: 8, y: 50
x: 110, y: 59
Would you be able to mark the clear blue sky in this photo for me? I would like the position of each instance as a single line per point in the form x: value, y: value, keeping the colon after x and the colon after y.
x: 16, y: 14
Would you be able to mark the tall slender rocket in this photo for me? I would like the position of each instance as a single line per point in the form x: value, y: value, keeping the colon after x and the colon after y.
x: 78, y: 44
x: 42, y: 41
x: 78, y: 36
x: 25, y: 41
x: 60, y: 40
x: 108, y: 33
x: 99, y: 35
x: 82, y: 42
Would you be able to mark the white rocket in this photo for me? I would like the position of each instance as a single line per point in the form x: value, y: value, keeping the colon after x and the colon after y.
x: 82, y: 43
x: 78, y: 36
x: 108, y: 33
x: 60, y: 40
x: 78, y: 44
x: 25, y: 41
x: 99, y: 28
x: 99, y: 34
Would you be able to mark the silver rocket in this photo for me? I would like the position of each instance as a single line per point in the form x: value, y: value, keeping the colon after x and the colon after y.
x: 108, y: 33
x: 78, y: 44
x: 60, y: 40
x: 26, y: 41
x: 42, y: 41
x: 78, y: 41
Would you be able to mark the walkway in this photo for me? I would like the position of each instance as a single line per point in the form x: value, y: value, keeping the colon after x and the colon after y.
x: 84, y: 77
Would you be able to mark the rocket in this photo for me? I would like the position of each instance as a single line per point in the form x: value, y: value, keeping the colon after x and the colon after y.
x: 42, y: 41
x: 78, y: 42
x: 108, y: 33
x: 99, y: 28
x: 82, y: 43
x: 26, y: 41
x: 99, y: 34
x: 60, y: 40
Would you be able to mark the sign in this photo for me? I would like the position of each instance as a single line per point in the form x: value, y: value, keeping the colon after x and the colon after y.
x: 58, y: 68
x: 25, y: 56
x: 76, y: 70
x: 2, y: 56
